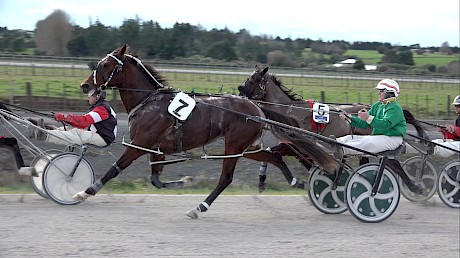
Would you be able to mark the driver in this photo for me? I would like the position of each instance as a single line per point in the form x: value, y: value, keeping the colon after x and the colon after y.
x: 385, y: 118
x: 451, y: 133
x: 100, y: 123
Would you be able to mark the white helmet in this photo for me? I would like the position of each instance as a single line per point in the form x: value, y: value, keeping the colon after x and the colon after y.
x: 456, y: 101
x: 388, y: 85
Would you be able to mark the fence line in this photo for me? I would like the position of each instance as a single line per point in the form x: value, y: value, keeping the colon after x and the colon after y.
x: 432, y: 99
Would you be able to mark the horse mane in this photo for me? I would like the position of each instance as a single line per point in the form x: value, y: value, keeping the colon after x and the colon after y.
x: 156, y: 74
x: 291, y: 94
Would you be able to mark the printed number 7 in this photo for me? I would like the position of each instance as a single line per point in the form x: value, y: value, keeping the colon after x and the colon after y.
x: 184, y: 105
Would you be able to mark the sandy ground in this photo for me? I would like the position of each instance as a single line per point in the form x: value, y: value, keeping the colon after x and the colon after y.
x: 235, y: 226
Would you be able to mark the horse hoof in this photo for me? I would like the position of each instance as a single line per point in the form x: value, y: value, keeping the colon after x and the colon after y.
x: 188, y: 181
x: 81, y: 196
x: 192, y: 214
x: 261, y: 188
x: 174, y: 184
x: 300, y: 185
x: 28, y: 171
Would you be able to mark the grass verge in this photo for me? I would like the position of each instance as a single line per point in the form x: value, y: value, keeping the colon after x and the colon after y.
x: 141, y: 187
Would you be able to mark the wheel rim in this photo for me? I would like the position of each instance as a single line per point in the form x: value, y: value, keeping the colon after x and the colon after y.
x: 427, y: 181
x: 449, y: 185
x: 372, y: 208
x: 39, y: 163
x: 321, y: 194
x: 56, y: 182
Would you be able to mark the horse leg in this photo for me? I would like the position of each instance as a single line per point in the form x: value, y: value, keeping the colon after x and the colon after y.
x: 284, y: 149
x: 123, y: 162
x: 226, y: 178
x: 276, y: 159
x: 263, y: 174
x: 157, y: 168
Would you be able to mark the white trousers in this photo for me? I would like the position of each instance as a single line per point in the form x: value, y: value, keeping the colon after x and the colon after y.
x: 370, y: 143
x: 443, y: 152
x: 74, y: 135
x: 438, y: 150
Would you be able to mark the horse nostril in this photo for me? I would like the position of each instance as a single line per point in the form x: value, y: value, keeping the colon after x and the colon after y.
x: 84, y: 87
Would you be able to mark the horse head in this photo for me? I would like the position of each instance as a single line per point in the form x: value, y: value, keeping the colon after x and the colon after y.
x: 104, y: 71
x: 134, y: 80
x: 254, y: 86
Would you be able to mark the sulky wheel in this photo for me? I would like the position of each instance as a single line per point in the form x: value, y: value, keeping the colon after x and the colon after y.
x: 424, y: 174
x: 449, y: 184
x: 39, y: 163
x: 358, y: 190
x: 57, y: 183
x: 321, y: 194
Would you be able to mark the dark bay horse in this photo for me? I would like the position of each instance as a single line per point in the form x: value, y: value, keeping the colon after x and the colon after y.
x: 267, y: 88
x: 146, y: 98
x: 270, y: 93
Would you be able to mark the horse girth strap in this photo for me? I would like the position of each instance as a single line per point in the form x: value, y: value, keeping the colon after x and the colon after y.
x: 178, y: 133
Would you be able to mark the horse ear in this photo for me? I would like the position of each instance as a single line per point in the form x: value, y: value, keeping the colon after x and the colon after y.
x: 265, y: 70
x: 257, y: 68
x: 123, y: 50
x: 92, y: 65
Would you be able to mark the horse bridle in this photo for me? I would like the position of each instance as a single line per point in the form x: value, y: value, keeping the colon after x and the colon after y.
x: 262, y: 88
x: 118, y: 68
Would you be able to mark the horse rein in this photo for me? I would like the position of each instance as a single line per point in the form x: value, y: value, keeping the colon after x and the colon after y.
x: 262, y: 92
x: 118, y: 68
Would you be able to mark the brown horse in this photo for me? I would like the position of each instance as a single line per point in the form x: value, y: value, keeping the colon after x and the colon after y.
x: 154, y: 129
x: 268, y: 89
x: 269, y: 92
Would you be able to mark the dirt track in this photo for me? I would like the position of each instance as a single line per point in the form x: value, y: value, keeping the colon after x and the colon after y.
x: 235, y: 226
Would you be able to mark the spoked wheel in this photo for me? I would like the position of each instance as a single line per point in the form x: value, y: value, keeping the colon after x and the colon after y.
x: 57, y: 183
x: 449, y: 184
x: 321, y: 194
x: 423, y: 174
x: 361, y: 204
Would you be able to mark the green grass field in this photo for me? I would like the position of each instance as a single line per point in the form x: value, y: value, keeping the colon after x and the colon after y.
x: 372, y: 57
x: 425, y: 99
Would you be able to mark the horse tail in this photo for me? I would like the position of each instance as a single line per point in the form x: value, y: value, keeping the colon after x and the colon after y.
x: 301, y: 142
x: 417, y: 125
x: 278, y: 117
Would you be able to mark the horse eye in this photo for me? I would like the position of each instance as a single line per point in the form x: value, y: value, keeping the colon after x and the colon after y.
x: 105, y: 65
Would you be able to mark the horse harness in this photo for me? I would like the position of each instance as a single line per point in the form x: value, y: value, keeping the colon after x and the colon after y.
x: 178, y: 131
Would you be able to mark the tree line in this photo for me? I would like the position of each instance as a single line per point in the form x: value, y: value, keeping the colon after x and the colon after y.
x: 56, y: 35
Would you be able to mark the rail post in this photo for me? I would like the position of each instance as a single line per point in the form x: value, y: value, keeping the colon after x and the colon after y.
x: 448, y: 106
x: 11, y: 93
x: 30, y: 103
